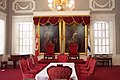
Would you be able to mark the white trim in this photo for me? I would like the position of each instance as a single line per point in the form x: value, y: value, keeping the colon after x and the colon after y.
x: 17, y: 8
x: 3, y: 4
x: 109, y: 18
x: 102, y: 7
x: 3, y: 16
x: 61, y: 13
x: 23, y: 18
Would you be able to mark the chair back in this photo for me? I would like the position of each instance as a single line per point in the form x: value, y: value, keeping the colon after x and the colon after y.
x: 30, y: 63
x: 50, y: 48
x: 87, y: 60
x: 73, y: 48
x: 92, y: 66
x: 23, y: 66
x: 59, y: 72
x: 62, y: 58
x: 35, y: 60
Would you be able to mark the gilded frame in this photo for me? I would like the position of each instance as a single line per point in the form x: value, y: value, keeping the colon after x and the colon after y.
x: 40, y: 39
x: 64, y: 38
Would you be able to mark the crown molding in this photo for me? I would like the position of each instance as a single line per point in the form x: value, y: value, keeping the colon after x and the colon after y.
x: 62, y: 13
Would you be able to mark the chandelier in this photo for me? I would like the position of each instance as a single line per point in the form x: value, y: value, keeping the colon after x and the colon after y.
x: 61, y: 5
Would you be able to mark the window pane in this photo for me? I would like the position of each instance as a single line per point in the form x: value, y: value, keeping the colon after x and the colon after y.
x: 31, y: 27
x: 107, y: 34
x: 27, y: 27
x: 103, y: 26
x: 31, y: 42
x: 31, y: 48
x: 24, y: 28
x: 21, y: 35
x: 95, y: 34
x: 95, y: 26
x: 99, y: 26
x: 107, y: 41
x: 99, y: 41
x: 107, y: 48
x: 27, y: 48
x: 103, y: 48
x: 24, y: 48
x: 23, y: 42
x: 107, y: 26
x: 103, y: 41
x: 99, y: 33
x: 27, y: 35
x: 21, y: 28
x: 99, y: 48
x: 27, y: 42
x: 31, y: 34
x: 103, y: 33
x: 96, y: 49
x: 21, y: 49
x: 96, y: 42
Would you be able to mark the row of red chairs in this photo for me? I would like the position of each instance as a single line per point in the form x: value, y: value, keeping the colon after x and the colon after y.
x: 86, y: 71
x: 30, y: 67
x: 73, y: 51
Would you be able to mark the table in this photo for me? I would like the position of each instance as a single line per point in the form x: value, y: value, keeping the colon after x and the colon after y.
x: 104, y: 59
x: 16, y: 57
x: 44, y: 76
x: 3, y: 64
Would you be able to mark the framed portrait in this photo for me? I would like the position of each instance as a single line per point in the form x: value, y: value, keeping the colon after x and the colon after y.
x: 75, y: 33
x: 49, y: 32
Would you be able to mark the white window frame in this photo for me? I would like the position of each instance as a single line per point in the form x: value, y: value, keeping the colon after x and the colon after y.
x: 3, y: 17
x: 20, y: 19
x: 110, y: 19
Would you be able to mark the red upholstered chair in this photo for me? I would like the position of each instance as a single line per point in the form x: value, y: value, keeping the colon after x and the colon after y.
x: 85, y: 66
x: 86, y: 62
x: 88, y: 75
x: 49, y: 50
x: 26, y: 72
x: 73, y: 48
x: 31, y: 64
x: 59, y: 72
x: 62, y: 58
x: 36, y: 64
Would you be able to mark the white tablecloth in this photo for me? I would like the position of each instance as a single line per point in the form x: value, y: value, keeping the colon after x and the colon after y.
x: 42, y: 75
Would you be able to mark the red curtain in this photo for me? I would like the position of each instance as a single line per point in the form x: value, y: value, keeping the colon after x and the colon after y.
x: 68, y: 20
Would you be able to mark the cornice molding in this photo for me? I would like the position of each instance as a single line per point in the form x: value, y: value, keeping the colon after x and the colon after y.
x: 62, y: 13
x: 102, y: 17
x: 24, y: 18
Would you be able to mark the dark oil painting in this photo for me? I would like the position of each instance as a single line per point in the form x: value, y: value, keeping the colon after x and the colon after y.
x: 49, y: 32
x: 75, y: 33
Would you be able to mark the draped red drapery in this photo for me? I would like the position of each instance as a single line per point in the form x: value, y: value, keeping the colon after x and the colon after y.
x: 68, y: 20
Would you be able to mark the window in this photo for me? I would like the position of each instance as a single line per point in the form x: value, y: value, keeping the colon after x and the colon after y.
x: 101, y: 33
x: 2, y: 36
x: 22, y: 35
